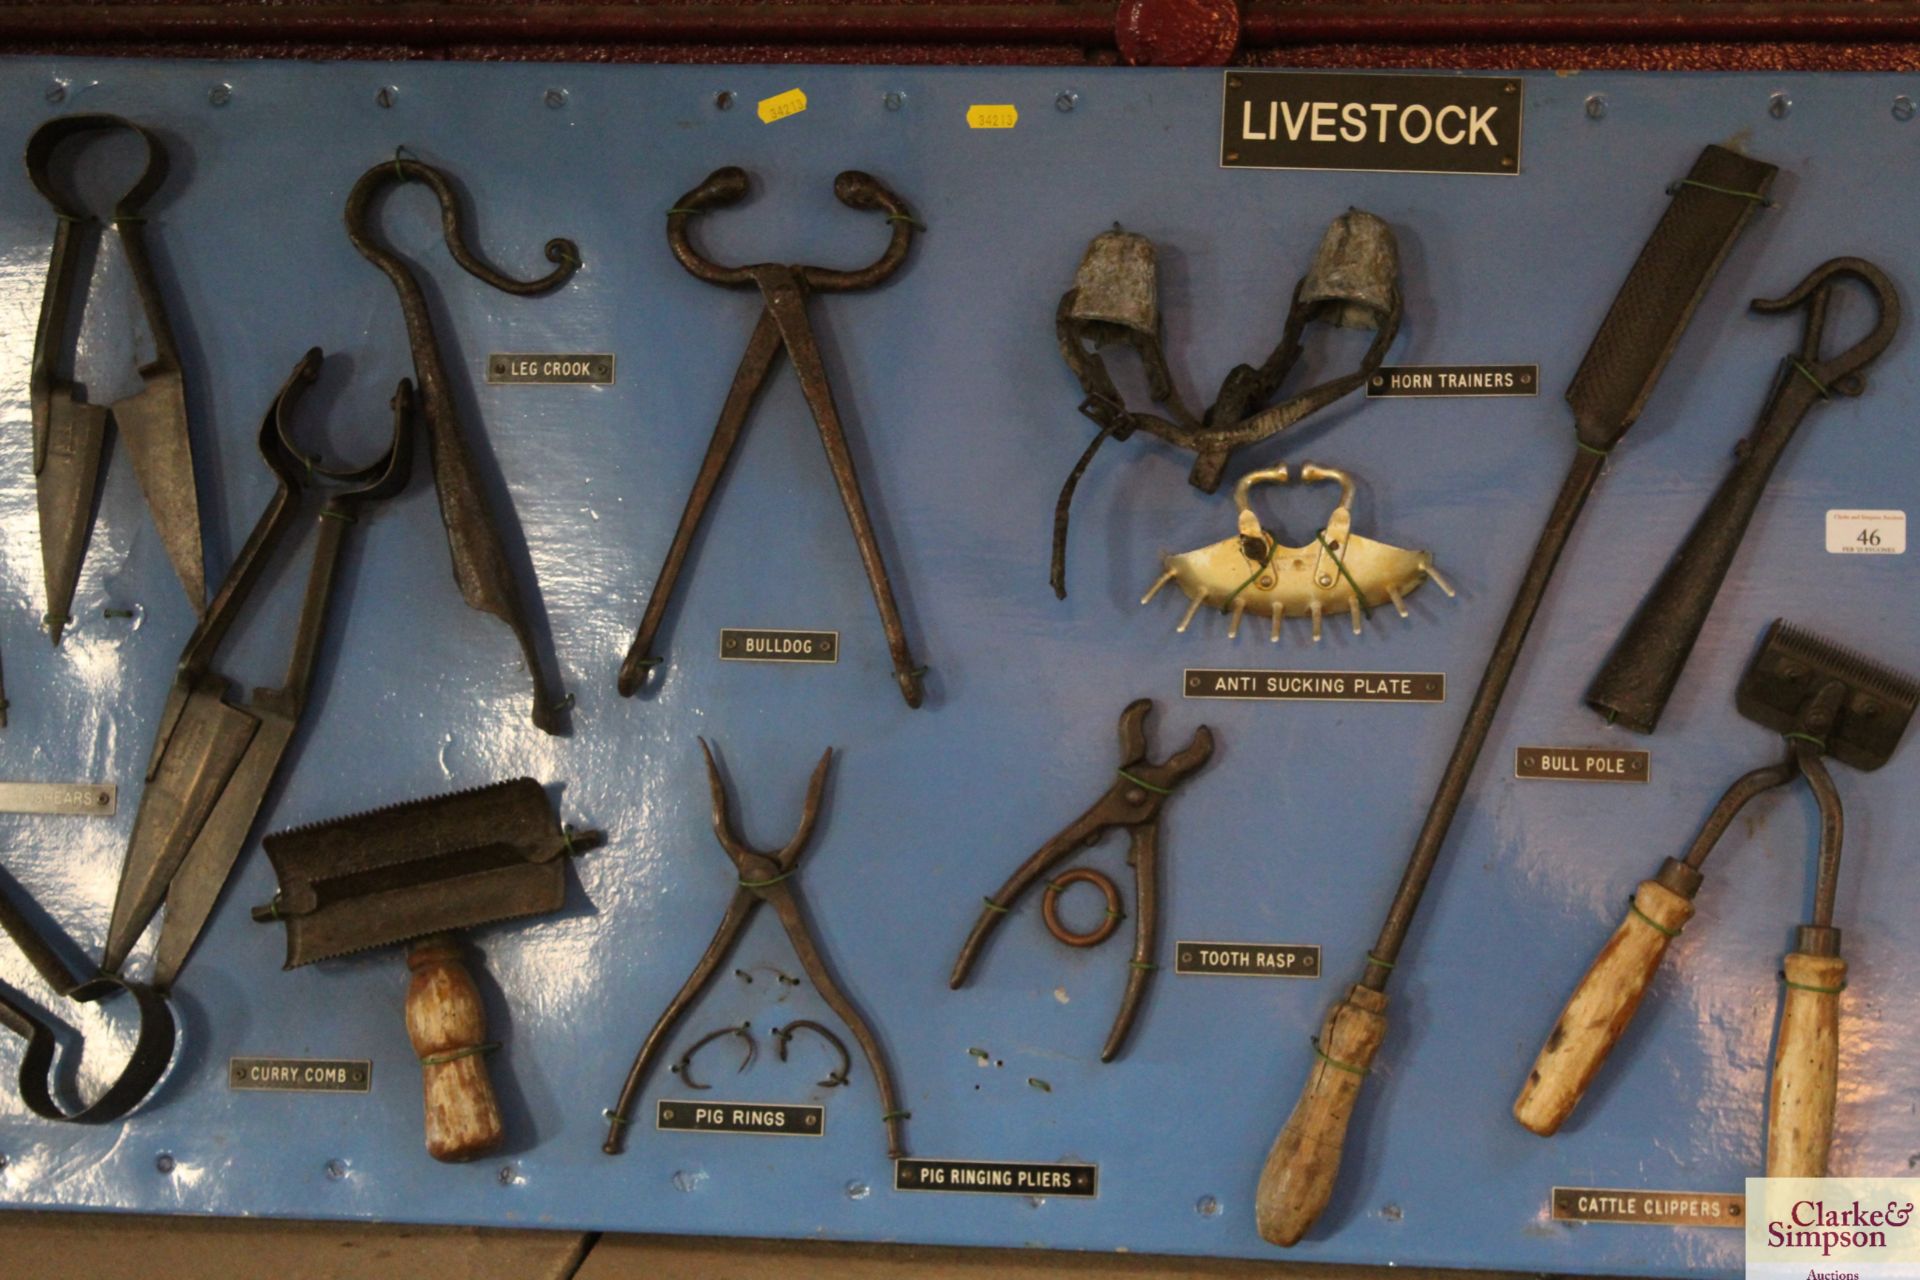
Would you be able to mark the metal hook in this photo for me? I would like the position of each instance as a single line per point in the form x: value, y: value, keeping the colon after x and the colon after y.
x: 1840, y: 373
x: 856, y: 190
x: 783, y: 1034
x: 682, y: 1067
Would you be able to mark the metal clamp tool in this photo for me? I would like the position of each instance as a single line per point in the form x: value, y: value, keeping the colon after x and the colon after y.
x: 1132, y: 804
x: 474, y: 535
x: 783, y: 323
x: 1354, y: 283
x: 1824, y: 701
x: 768, y: 878
x: 213, y: 760
x: 69, y: 435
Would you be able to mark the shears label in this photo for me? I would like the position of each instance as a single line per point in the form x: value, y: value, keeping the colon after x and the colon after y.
x: 591, y: 368
x: 992, y: 115
x: 90, y: 799
x: 1394, y: 123
x: 1246, y: 959
x: 1316, y: 686
x: 762, y: 1118
x: 781, y: 105
x: 1867, y: 533
x: 998, y: 1178
x: 300, y: 1075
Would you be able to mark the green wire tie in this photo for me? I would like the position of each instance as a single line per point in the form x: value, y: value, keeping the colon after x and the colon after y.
x: 565, y: 704
x: 1754, y: 196
x: 49, y: 619
x: 1035, y: 1082
x: 398, y: 152
x: 1826, y: 392
x: 679, y: 209
x: 1341, y: 565
x: 616, y: 1121
x: 1797, y: 736
x: 1584, y: 447
x: 761, y: 884
x: 1650, y: 921
x: 1374, y: 959
x: 440, y: 1059
x: 116, y: 613
x: 273, y: 908
x: 1347, y: 1067
x: 648, y: 664
x: 566, y: 838
x: 1142, y: 965
x: 329, y: 513
x: 994, y: 906
x: 1272, y: 549
x: 907, y: 218
x: 1142, y: 782
x: 896, y: 1115
x: 1824, y: 991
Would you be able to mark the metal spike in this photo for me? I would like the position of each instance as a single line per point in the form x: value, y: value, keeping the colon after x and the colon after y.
x: 1279, y: 612
x: 1399, y: 601
x: 1313, y: 607
x: 1439, y: 581
x: 1353, y: 607
x: 1162, y: 581
x: 1191, y: 610
x: 1233, y: 623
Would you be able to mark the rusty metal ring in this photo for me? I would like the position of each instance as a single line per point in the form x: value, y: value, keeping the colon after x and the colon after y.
x: 1049, y: 910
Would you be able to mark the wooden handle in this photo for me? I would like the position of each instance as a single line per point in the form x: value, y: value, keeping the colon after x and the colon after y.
x: 1806, y: 1067
x: 1298, y: 1179
x: 1600, y: 1008
x: 448, y: 1027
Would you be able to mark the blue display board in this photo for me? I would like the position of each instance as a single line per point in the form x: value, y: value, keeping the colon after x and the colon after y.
x: 964, y: 425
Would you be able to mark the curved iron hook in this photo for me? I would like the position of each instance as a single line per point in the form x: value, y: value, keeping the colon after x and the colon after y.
x: 728, y: 186
x: 783, y: 1034
x: 49, y: 136
x: 1840, y: 373
x: 400, y: 170
x: 683, y: 1068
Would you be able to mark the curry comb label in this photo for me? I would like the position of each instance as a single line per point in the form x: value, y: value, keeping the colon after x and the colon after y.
x: 1352, y: 121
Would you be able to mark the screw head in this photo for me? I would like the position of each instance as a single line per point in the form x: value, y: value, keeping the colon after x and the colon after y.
x: 1779, y: 105
x: 1066, y: 100
x: 1207, y: 1207
x: 724, y: 100
x: 386, y: 95
x: 508, y: 1176
x: 1596, y: 106
x: 220, y: 95
x: 336, y: 1169
x: 57, y: 92
x: 164, y: 1162
x: 894, y: 100
x: 555, y: 98
x: 1903, y: 107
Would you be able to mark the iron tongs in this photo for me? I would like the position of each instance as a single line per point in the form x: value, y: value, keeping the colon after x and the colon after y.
x: 213, y: 759
x: 1132, y: 804
x: 783, y: 324
x: 69, y: 435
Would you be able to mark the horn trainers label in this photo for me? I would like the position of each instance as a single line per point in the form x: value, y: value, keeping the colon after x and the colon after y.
x: 1435, y: 381
x: 1351, y: 121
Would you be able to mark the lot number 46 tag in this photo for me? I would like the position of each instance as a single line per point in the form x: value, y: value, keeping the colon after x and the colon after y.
x: 1867, y: 533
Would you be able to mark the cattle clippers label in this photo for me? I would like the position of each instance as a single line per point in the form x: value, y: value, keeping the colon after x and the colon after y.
x: 522, y: 368
x: 1343, y: 120
x: 998, y: 1177
x: 300, y: 1075
x: 765, y: 1119
x: 747, y: 644
x: 1649, y: 1208
x: 1246, y: 959
x: 1316, y: 686
x: 1429, y: 381
x: 1581, y: 764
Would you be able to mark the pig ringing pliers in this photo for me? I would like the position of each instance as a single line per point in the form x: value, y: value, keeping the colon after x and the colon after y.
x: 1132, y: 804
x: 783, y: 323
x: 768, y: 878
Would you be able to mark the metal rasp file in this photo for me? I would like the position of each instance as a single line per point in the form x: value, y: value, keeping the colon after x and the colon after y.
x: 1708, y: 208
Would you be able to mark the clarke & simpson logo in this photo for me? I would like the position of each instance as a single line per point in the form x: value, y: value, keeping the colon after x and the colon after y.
x: 1833, y: 1229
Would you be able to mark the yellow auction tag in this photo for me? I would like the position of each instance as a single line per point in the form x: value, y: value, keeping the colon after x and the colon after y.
x: 782, y: 105
x: 992, y: 116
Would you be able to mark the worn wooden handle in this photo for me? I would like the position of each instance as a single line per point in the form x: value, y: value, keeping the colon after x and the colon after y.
x: 1298, y: 1178
x: 1806, y: 1067
x: 1600, y: 1008
x: 448, y: 1027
